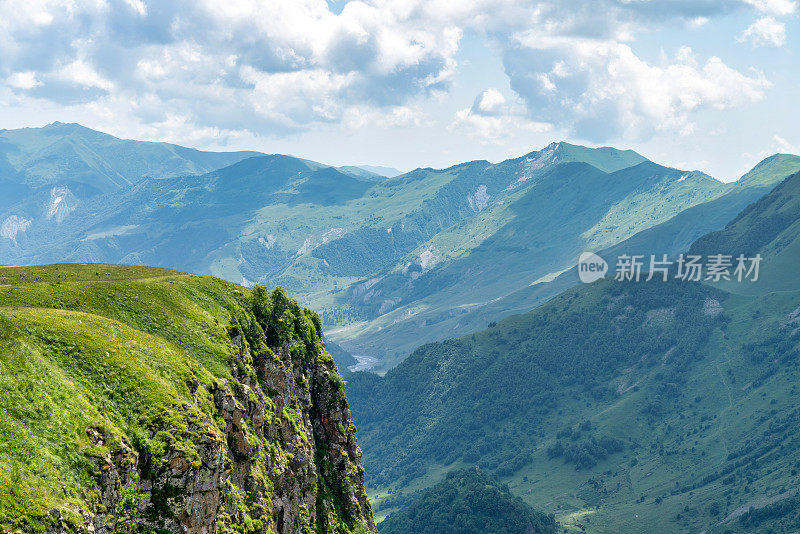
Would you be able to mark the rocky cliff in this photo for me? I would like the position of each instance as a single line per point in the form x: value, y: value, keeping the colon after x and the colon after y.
x: 210, y: 408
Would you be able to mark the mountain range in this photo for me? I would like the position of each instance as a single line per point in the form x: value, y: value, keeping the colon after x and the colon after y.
x: 390, y: 261
x: 514, y: 396
x: 617, y: 406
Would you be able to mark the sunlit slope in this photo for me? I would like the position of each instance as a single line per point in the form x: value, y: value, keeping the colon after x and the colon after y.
x: 86, y: 162
x: 570, y: 207
x: 769, y: 227
x: 106, y: 369
x: 640, y: 400
x: 470, y: 502
x: 671, y: 237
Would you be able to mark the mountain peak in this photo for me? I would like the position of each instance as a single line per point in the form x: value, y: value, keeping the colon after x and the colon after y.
x: 554, y: 145
x: 771, y: 170
x: 57, y: 125
x: 62, y: 152
x: 607, y: 159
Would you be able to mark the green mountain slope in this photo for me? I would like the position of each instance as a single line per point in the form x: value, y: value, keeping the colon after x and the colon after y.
x: 774, y: 167
x: 670, y: 237
x: 769, y: 227
x: 372, y: 172
x: 389, y: 262
x: 181, y: 221
x: 607, y: 159
x: 90, y: 162
x: 571, y: 207
x: 616, y: 406
x: 141, y: 399
x: 467, y: 502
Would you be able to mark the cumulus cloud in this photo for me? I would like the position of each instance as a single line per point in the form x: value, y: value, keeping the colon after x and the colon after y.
x: 489, y: 102
x: 766, y: 31
x: 274, y: 66
x: 602, y: 89
x: 247, y: 66
x: 23, y: 80
x: 774, y: 7
x: 492, y: 119
x: 396, y: 116
x: 784, y: 146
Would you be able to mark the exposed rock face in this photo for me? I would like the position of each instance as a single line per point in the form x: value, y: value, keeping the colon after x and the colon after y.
x: 13, y: 226
x: 275, y: 452
x: 61, y: 203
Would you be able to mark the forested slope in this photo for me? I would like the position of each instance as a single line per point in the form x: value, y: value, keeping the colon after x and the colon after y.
x: 666, y: 406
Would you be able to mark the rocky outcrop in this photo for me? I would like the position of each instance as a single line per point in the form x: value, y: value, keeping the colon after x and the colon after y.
x: 271, y: 449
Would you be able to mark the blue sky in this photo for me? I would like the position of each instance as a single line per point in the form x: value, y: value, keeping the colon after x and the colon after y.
x: 696, y: 84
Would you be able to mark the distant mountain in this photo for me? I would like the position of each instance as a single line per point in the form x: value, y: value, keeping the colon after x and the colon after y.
x: 88, y: 162
x: 770, y: 227
x: 526, y: 232
x: 467, y: 502
x: 180, y: 221
x: 390, y: 262
x: 774, y: 167
x: 620, y: 407
x: 670, y: 237
x: 388, y: 172
x: 370, y: 172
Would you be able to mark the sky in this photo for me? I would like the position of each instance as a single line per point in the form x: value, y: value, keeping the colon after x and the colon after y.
x: 695, y: 84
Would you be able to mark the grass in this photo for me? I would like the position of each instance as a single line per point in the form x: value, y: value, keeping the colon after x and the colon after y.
x: 116, y: 366
x: 145, y: 299
x: 110, y: 351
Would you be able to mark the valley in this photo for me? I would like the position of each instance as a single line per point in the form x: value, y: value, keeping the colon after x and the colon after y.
x: 616, y: 406
x: 399, y: 267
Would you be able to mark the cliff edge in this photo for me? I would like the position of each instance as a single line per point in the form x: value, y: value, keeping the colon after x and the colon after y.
x: 148, y: 400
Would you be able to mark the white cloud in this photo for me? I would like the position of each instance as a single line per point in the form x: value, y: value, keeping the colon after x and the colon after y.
x: 698, y: 22
x: 274, y: 66
x: 774, y: 7
x: 490, y: 102
x: 602, y: 89
x: 23, y: 80
x: 784, y: 146
x: 766, y: 31
x: 492, y: 119
x: 394, y: 117
x: 250, y: 66
x: 138, y: 6
x: 82, y: 73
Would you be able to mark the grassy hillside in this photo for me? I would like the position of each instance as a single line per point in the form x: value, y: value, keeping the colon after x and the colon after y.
x: 776, y: 167
x: 770, y: 227
x: 118, y: 380
x: 571, y: 207
x: 648, y: 402
x: 616, y: 406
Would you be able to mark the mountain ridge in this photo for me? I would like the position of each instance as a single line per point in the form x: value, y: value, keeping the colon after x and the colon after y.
x: 280, y: 220
x: 618, y: 406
